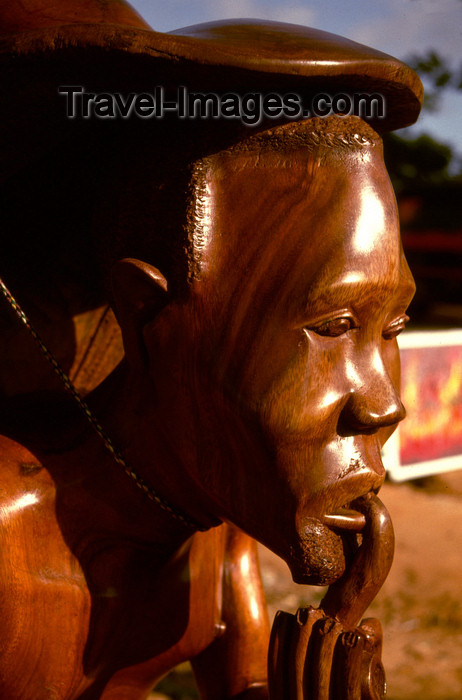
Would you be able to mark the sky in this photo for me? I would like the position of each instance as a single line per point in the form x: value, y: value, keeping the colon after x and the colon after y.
x: 401, y: 28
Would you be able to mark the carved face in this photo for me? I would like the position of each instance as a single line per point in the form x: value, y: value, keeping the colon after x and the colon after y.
x: 285, y: 363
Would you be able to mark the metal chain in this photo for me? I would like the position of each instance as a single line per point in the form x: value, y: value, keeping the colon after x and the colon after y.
x: 150, y: 493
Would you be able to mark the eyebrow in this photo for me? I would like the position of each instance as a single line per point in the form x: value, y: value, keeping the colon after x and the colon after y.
x: 356, y: 294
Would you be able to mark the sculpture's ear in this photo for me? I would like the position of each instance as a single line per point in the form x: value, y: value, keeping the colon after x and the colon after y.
x: 140, y: 293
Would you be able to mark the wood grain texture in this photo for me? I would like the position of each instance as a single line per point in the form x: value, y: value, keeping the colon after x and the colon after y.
x: 258, y: 284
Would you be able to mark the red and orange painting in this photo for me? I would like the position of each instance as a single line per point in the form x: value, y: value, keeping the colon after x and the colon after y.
x: 430, y: 438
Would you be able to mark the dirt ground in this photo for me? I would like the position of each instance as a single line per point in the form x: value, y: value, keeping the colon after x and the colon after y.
x: 420, y: 605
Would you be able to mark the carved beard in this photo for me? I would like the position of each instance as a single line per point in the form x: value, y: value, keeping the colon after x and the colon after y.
x: 321, y: 556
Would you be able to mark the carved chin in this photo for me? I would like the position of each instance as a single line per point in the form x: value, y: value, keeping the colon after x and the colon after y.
x: 319, y: 557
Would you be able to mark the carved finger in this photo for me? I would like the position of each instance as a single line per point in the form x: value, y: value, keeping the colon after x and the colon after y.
x: 373, y: 681
x: 349, y: 597
x: 278, y: 655
x: 290, y: 636
x: 347, y: 666
x: 306, y: 620
x: 317, y: 676
x: 372, y: 629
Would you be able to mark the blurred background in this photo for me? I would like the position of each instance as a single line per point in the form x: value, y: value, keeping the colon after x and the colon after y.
x: 420, y: 604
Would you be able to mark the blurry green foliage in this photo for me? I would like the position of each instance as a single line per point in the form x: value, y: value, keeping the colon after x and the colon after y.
x: 423, y: 162
x: 416, y: 162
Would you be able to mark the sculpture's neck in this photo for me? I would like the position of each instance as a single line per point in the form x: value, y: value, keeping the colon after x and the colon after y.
x: 131, y: 416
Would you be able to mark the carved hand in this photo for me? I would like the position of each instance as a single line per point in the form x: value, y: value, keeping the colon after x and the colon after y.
x: 321, y: 654
x: 316, y: 658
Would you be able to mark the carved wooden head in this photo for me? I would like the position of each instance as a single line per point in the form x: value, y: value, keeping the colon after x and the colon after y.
x: 274, y: 377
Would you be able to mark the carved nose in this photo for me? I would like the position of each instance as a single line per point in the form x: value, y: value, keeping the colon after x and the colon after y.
x: 369, y: 409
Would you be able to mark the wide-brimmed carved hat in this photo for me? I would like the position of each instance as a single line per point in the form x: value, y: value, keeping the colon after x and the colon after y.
x: 106, y: 45
x: 38, y: 27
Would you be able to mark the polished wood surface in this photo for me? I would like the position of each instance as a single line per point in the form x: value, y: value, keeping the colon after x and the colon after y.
x: 254, y: 441
x: 257, y: 284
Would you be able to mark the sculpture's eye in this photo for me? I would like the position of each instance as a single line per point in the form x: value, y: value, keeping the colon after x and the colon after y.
x: 334, y: 327
x: 395, y: 328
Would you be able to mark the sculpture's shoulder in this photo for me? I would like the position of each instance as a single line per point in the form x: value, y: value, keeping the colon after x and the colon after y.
x: 27, y: 494
x: 27, y: 504
x: 43, y: 595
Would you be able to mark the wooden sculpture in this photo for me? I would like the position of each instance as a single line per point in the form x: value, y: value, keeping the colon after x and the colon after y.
x: 259, y: 283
